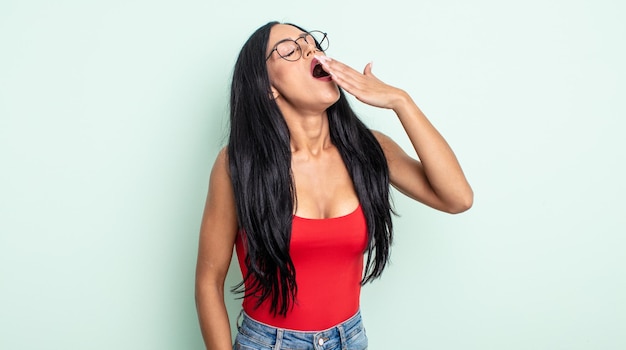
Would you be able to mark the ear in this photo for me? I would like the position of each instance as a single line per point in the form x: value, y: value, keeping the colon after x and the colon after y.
x: 274, y: 94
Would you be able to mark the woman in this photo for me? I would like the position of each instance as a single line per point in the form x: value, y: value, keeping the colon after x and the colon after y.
x: 302, y: 192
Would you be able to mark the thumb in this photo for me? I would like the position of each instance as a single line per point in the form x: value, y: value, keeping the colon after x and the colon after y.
x: 368, y: 69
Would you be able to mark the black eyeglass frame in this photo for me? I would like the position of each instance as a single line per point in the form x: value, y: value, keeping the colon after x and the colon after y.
x: 302, y: 36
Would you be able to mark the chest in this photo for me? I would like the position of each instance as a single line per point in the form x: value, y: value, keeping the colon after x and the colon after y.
x: 333, y: 237
x: 324, y: 188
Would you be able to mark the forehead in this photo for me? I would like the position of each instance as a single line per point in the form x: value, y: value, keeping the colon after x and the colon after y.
x: 283, y: 31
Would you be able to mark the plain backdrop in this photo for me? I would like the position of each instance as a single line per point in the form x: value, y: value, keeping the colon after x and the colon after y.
x: 112, y: 113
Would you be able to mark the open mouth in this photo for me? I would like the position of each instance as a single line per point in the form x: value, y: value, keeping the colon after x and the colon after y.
x: 318, y: 71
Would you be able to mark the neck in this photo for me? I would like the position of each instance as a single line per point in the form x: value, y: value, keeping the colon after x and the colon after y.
x: 309, y: 133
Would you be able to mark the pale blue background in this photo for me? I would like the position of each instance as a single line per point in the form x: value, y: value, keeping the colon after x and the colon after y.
x: 111, y: 113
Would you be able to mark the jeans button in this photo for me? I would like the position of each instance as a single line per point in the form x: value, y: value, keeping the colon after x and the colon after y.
x: 320, y: 341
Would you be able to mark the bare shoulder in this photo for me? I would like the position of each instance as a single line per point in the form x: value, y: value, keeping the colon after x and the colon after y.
x: 220, y: 173
x: 220, y: 199
x: 391, y: 149
x: 219, y: 221
x: 221, y: 160
x: 382, y: 138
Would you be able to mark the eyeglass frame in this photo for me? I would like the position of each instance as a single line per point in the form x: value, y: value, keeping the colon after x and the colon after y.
x: 302, y: 36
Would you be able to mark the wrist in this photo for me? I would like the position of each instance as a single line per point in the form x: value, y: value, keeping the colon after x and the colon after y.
x: 401, y: 101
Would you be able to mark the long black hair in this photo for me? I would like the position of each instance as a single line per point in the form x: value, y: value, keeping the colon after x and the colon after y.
x: 259, y: 156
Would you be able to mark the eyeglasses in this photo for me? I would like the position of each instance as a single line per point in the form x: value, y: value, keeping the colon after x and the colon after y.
x: 292, y: 51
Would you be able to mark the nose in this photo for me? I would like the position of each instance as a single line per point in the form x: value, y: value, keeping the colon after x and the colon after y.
x: 308, y: 46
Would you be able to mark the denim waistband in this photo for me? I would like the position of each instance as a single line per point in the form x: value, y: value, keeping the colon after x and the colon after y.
x: 268, y: 336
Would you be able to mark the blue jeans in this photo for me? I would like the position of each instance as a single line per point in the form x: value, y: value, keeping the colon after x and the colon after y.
x: 254, y: 335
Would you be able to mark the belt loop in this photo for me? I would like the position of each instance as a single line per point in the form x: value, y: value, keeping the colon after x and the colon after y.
x: 279, y: 339
x: 342, y: 335
x: 239, y: 320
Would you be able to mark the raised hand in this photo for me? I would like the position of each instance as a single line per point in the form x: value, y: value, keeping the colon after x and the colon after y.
x: 366, y: 87
x: 436, y: 179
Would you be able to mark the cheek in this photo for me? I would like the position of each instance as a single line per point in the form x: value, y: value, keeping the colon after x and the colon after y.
x: 282, y: 80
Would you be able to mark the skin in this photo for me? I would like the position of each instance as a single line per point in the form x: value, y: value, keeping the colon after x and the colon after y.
x: 323, y: 187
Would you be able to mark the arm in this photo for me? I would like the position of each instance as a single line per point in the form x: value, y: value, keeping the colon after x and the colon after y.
x: 436, y: 179
x: 217, y: 238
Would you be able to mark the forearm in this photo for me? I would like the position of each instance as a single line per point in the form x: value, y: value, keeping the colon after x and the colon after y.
x: 213, y: 317
x: 437, y: 179
x: 439, y: 163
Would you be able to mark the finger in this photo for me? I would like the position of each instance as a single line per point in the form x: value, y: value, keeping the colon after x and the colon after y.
x: 347, y: 80
x: 352, y: 81
x: 335, y: 65
x: 347, y: 74
x: 341, y: 77
x: 368, y: 72
x: 368, y: 69
x: 340, y: 73
x: 346, y: 86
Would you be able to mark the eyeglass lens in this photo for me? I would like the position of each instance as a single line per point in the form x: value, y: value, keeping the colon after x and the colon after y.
x: 292, y: 50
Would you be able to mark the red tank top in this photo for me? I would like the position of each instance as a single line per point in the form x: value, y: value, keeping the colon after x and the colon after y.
x: 328, y: 259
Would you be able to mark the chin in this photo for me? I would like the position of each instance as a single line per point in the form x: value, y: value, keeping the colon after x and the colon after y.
x: 332, y: 96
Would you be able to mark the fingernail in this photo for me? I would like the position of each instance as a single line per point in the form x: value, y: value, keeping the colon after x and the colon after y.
x: 323, y: 59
